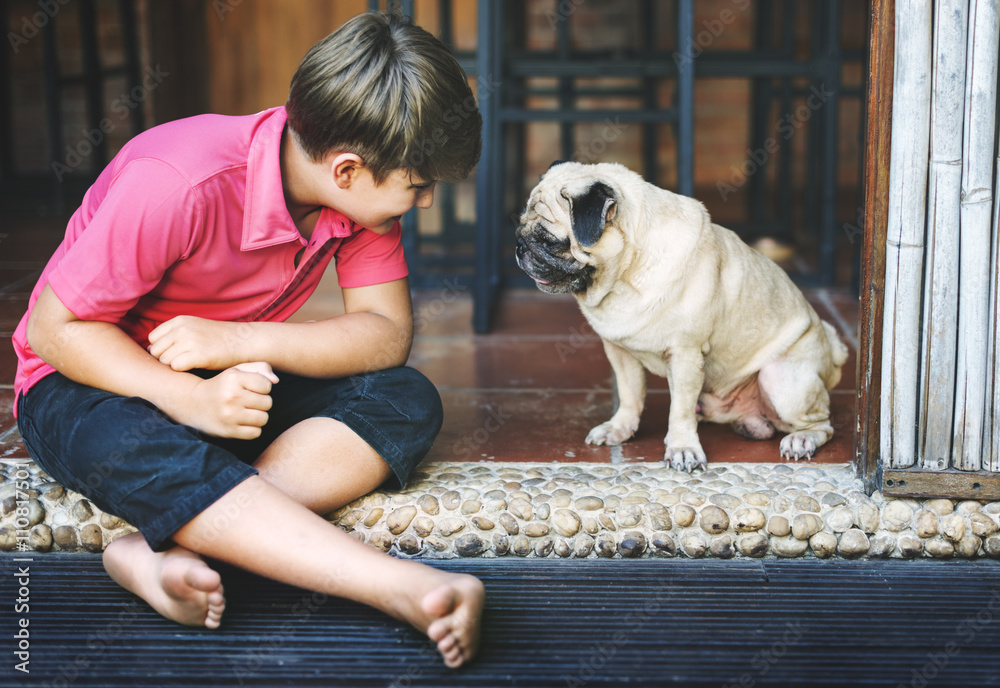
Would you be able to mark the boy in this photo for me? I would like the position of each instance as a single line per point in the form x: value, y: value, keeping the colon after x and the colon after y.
x: 156, y: 374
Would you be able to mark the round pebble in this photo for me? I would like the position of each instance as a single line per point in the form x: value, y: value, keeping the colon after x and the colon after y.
x: 693, y: 545
x: 938, y: 547
x: 722, y: 547
x: 926, y: 523
x: 853, y: 543
x: 40, y: 538
x: 633, y: 544
x: 684, y: 515
x: 483, y: 523
x: 408, y: 543
x: 752, y: 545
x: 953, y: 527
x: 969, y: 546
x: 566, y: 523
x: 713, y: 520
x: 450, y: 526
x: 804, y: 526
x: 840, y: 519
x: 373, y: 517
x: 400, y: 519
x: 982, y: 525
x: 583, y: 546
x: 788, y: 546
x: 606, y: 546
x: 66, y: 538
x: 748, y: 520
x: 521, y: 508
x: 521, y: 546
x: 779, y: 526
x: 823, y: 544
x: 896, y: 515
x: 663, y: 544
x: 509, y: 523
x: 910, y: 546
x: 882, y: 545
x: 470, y: 545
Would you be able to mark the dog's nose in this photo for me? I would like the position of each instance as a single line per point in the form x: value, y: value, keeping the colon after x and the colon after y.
x: 520, y: 246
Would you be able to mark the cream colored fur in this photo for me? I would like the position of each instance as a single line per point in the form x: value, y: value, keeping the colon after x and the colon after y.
x: 672, y: 293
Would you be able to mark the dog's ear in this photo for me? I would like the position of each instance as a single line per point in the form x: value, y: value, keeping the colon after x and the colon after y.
x: 591, y: 211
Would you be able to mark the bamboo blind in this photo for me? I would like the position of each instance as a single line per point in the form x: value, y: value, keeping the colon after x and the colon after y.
x: 941, y: 327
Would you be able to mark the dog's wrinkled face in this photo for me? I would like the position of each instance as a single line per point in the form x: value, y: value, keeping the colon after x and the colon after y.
x: 564, y: 220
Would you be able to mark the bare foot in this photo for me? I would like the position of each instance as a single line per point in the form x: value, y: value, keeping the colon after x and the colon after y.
x: 456, y: 608
x: 447, y: 607
x: 176, y: 583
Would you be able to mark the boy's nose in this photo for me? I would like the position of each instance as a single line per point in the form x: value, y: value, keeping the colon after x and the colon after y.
x: 426, y: 198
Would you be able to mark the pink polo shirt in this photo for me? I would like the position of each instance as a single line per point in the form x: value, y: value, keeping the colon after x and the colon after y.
x: 190, y: 219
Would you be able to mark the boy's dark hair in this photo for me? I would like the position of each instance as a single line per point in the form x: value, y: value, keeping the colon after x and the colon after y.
x: 390, y: 92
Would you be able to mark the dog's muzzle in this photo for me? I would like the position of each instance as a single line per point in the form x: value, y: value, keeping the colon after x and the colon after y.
x: 551, y: 272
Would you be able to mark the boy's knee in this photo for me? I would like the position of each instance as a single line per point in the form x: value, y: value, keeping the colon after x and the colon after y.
x: 414, y: 396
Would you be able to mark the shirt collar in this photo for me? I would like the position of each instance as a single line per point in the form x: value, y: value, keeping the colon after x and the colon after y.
x: 266, y: 221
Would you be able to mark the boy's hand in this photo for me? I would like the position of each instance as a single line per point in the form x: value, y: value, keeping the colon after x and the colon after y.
x: 234, y: 403
x: 187, y: 342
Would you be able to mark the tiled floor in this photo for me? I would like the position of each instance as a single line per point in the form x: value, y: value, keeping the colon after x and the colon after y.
x: 529, y: 391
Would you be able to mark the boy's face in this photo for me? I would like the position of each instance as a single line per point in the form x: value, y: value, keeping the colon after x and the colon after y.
x: 379, y: 207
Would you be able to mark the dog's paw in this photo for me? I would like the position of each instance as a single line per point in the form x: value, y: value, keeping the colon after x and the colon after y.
x: 798, y: 445
x: 611, y: 434
x: 685, y: 458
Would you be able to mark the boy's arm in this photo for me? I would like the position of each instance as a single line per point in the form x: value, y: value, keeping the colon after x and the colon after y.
x: 375, y: 333
x: 99, y: 354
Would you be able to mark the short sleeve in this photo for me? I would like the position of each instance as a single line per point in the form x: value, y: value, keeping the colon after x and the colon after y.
x: 366, y: 258
x: 146, y: 222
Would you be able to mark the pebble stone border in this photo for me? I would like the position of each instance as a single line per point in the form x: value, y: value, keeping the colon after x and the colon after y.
x: 584, y: 510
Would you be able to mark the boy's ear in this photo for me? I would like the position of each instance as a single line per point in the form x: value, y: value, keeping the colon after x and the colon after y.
x: 345, y: 168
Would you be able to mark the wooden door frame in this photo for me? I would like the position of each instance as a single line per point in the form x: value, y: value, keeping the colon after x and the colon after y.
x: 909, y: 482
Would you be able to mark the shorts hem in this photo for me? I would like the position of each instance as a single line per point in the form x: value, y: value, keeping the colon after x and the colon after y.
x: 159, y: 532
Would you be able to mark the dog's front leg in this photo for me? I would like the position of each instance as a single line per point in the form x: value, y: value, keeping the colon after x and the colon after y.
x: 686, y: 376
x: 630, y: 382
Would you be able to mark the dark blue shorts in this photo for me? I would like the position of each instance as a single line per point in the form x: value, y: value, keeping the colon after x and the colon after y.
x: 132, y: 461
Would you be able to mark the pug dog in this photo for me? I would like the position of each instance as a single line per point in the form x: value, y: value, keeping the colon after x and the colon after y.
x: 670, y: 292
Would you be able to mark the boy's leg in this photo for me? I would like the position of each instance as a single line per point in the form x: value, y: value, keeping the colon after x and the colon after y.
x: 317, y: 465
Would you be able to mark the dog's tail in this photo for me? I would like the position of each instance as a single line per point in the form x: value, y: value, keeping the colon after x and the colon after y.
x: 838, y: 349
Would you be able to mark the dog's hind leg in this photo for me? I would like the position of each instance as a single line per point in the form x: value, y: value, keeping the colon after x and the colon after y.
x: 630, y: 383
x: 801, y: 401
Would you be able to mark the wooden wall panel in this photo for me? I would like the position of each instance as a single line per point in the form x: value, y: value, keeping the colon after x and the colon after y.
x: 256, y: 45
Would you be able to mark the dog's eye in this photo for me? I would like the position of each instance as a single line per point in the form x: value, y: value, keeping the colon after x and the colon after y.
x: 550, y: 240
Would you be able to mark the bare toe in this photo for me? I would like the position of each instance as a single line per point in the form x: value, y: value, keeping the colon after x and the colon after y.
x: 177, y: 583
x: 455, y: 607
